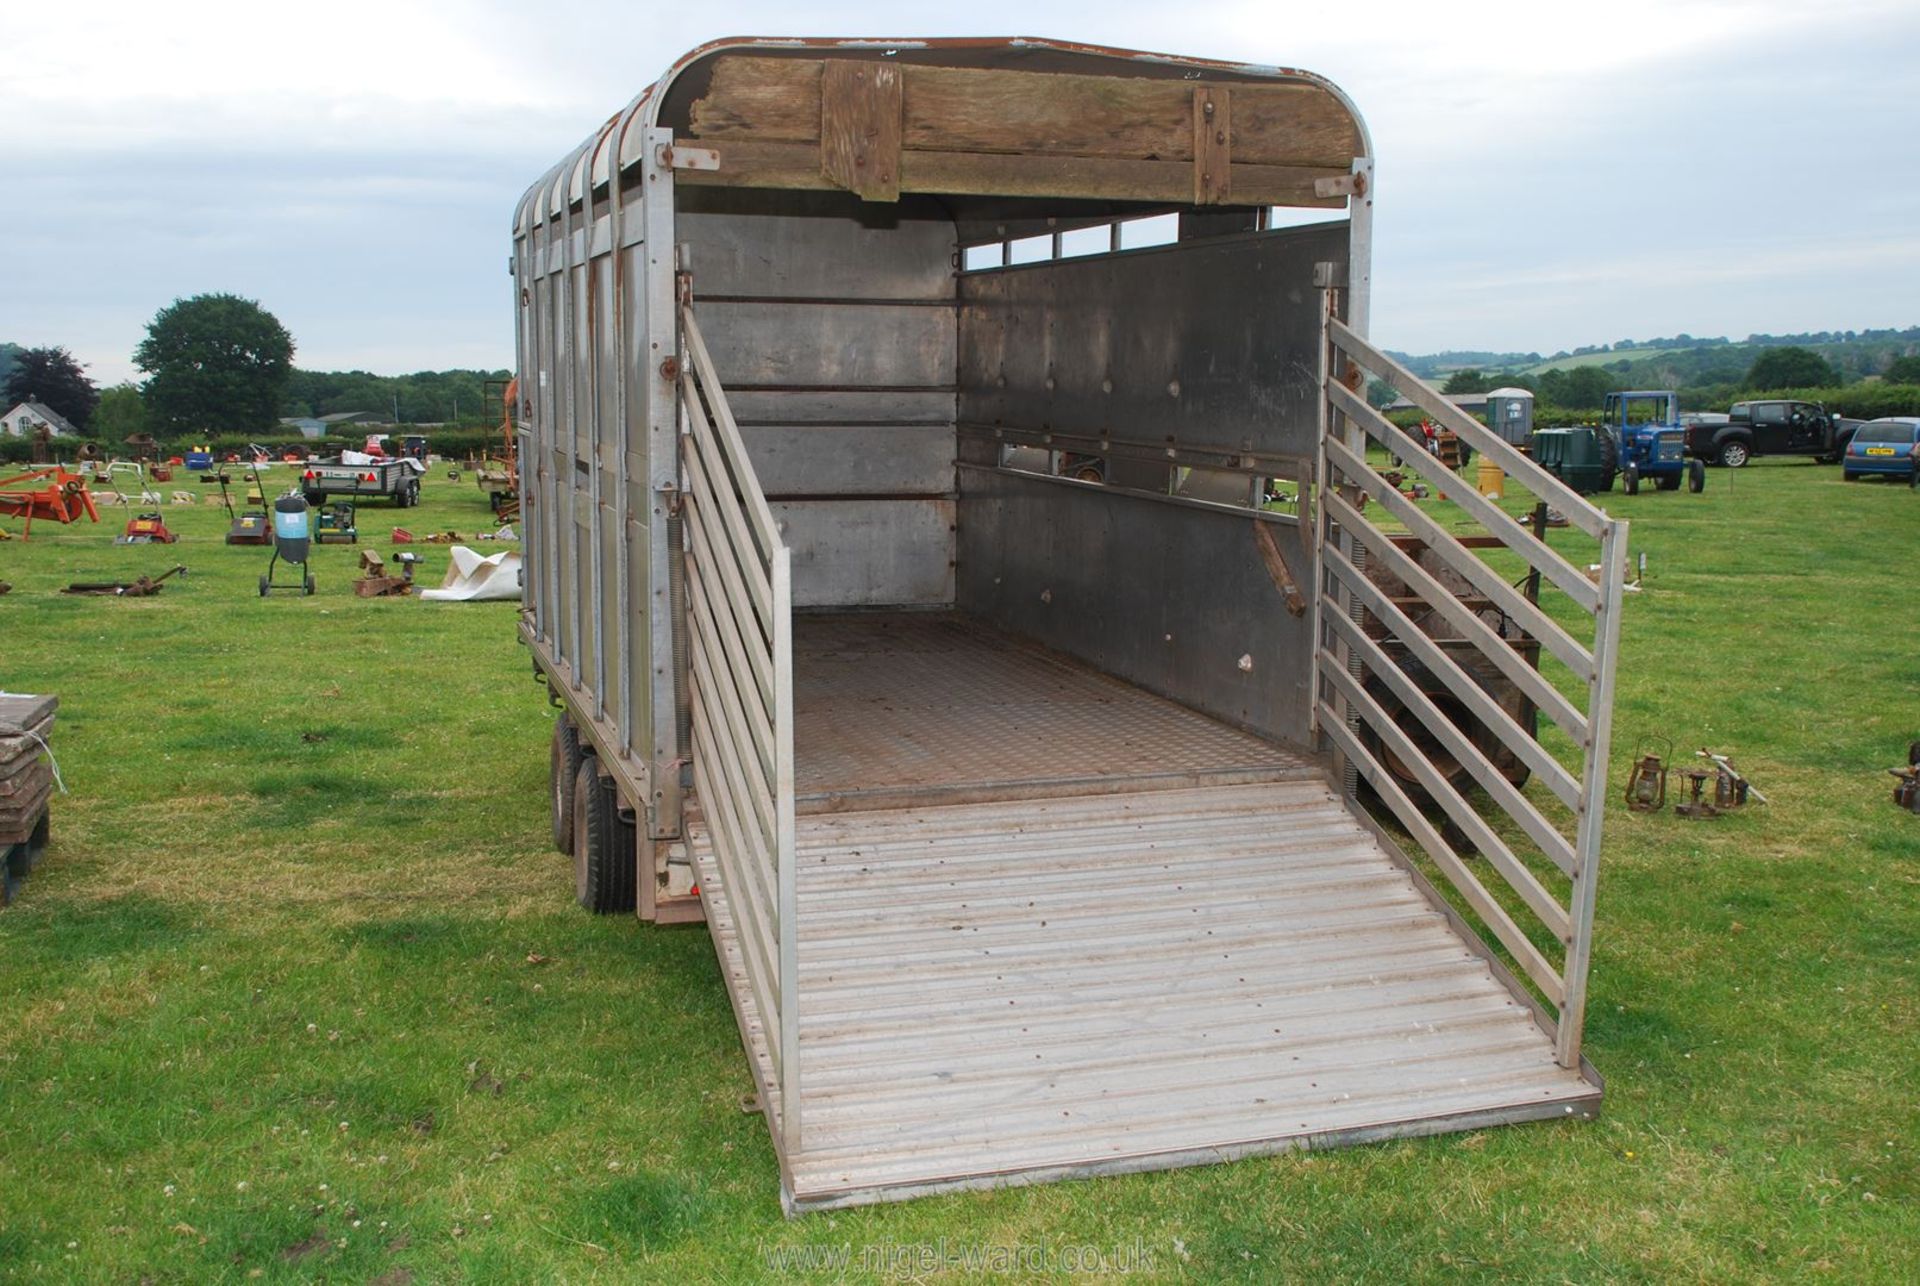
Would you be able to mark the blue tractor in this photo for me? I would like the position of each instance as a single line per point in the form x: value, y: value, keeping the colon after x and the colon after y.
x: 1652, y: 442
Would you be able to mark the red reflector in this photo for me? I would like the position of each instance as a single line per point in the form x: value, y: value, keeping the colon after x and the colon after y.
x: 309, y: 475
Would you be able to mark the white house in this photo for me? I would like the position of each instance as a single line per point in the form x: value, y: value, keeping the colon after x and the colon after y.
x: 23, y: 419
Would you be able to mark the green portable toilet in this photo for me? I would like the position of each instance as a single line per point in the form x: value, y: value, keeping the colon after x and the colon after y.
x: 1510, y: 414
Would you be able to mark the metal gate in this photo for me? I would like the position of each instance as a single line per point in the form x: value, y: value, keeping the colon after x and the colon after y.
x: 740, y: 609
x: 1542, y: 840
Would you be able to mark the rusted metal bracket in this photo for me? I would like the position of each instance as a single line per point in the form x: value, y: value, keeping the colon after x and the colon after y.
x: 679, y: 156
x: 1278, y: 568
x: 1340, y: 185
x: 860, y: 127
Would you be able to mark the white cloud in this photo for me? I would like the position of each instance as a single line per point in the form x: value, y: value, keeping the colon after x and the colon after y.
x: 1549, y: 174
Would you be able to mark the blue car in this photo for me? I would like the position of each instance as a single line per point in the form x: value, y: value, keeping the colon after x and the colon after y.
x: 1889, y: 447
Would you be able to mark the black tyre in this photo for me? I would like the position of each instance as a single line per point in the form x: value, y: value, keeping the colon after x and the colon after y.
x: 1488, y: 741
x: 563, y: 762
x: 1848, y: 475
x: 603, y: 861
x: 265, y: 584
x: 1630, y: 480
x: 316, y: 498
x: 1734, y: 454
x: 1450, y: 768
x: 1696, y: 476
x: 309, y: 585
x: 1609, y: 458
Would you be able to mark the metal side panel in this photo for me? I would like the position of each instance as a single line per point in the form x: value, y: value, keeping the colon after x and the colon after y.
x: 757, y: 343
x: 860, y: 459
x: 869, y: 553
x: 811, y: 245
x: 843, y: 406
x: 1171, y: 597
x: 1210, y: 343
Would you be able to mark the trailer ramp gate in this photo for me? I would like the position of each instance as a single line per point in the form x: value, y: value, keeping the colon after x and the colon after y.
x: 1181, y: 943
x: 1540, y: 845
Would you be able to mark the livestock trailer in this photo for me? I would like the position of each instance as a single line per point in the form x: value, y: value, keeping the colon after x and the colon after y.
x: 1047, y: 819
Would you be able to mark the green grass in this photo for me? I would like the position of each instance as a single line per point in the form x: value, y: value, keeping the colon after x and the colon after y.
x: 295, y: 1006
x: 1592, y: 359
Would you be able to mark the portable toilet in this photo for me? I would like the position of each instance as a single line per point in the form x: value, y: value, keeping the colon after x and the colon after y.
x: 1510, y: 414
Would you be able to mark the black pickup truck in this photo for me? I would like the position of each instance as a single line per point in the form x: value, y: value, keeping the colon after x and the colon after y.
x: 1777, y: 427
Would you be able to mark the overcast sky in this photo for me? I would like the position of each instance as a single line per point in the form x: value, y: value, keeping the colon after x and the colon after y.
x: 1548, y: 174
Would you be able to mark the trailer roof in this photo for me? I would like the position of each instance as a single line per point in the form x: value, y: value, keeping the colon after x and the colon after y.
x: 1017, y: 117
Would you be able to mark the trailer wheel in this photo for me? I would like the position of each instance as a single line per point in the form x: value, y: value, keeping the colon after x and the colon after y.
x: 1696, y: 476
x: 563, y: 762
x: 1486, y: 740
x: 1451, y: 769
x: 603, y: 858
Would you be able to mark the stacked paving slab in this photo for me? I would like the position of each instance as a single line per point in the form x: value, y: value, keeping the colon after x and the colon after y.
x: 26, y: 786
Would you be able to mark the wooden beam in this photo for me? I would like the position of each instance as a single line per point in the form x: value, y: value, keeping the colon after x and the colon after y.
x: 1277, y: 569
x: 988, y: 110
x: 766, y: 100
x: 966, y: 109
x: 754, y: 164
x: 860, y: 128
x: 1212, y: 144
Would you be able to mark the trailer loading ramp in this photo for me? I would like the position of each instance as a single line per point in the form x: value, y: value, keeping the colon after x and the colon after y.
x: 1004, y: 978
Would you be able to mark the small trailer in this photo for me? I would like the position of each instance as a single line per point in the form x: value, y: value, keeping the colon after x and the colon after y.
x: 397, y: 479
x: 896, y: 425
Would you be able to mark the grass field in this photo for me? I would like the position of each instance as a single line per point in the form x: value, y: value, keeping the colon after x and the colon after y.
x: 1590, y: 359
x: 300, y: 990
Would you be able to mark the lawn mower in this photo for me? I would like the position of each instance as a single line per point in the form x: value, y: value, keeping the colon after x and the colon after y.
x: 146, y: 529
x: 250, y: 527
x: 333, y: 525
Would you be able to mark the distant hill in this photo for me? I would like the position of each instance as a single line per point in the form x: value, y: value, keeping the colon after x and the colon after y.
x: 1683, y: 361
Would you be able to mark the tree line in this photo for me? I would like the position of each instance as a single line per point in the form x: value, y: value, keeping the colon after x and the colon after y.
x: 219, y: 366
x: 1584, y: 388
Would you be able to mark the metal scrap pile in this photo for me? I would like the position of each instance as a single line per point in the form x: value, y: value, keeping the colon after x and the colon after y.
x: 27, y: 779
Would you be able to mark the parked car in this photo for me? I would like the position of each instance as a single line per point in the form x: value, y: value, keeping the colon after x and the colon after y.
x: 1773, y: 427
x: 1888, y: 447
